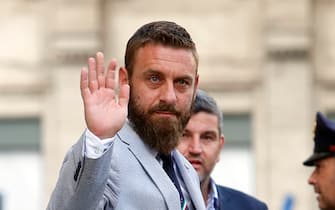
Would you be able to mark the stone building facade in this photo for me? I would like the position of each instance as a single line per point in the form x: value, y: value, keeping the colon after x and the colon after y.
x: 273, y: 60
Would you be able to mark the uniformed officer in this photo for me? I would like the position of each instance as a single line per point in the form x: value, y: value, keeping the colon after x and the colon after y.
x: 323, y: 158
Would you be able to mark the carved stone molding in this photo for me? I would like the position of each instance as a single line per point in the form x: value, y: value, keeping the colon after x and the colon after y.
x: 293, y: 54
x: 73, y: 49
x: 75, y: 32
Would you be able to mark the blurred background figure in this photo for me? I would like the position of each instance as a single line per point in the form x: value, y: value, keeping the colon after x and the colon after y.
x: 323, y: 159
x: 201, y: 144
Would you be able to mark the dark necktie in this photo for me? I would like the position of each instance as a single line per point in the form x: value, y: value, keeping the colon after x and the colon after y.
x: 169, y: 169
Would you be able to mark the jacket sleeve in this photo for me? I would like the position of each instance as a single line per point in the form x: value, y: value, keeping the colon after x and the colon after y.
x: 82, y: 181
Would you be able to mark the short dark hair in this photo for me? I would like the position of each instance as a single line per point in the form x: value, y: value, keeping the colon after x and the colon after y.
x: 205, y: 103
x: 159, y: 32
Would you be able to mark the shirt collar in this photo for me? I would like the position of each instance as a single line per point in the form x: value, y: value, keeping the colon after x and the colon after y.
x: 212, y: 199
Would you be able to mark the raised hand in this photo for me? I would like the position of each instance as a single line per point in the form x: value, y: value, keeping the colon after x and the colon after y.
x: 105, y: 104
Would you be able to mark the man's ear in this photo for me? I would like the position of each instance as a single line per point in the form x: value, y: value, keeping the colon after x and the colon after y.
x: 123, y: 76
x: 221, y: 139
x: 196, y: 84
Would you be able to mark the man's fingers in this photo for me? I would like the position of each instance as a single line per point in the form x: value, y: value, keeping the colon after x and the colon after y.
x: 84, y: 82
x: 110, y: 77
x: 92, y: 75
x: 100, y: 69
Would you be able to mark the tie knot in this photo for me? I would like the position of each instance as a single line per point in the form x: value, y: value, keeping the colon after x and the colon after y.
x: 167, y: 159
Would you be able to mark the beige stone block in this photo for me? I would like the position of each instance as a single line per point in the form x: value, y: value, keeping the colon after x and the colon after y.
x: 21, y: 39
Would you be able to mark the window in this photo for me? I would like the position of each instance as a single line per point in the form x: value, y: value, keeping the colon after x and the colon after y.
x: 20, y: 134
x: 1, y: 201
x: 237, y: 130
x: 20, y: 155
x: 236, y: 166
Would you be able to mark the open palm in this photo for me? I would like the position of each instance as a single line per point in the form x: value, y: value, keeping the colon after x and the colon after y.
x: 105, y: 104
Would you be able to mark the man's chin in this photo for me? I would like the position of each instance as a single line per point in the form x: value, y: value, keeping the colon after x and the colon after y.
x: 201, y: 176
x: 322, y: 205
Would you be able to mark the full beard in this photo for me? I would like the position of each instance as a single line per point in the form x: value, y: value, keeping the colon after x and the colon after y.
x: 161, y: 134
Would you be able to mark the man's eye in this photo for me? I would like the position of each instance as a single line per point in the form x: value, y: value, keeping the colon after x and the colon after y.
x: 209, y: 138
x: 182, y: 82
x: 154, y: 79
x: 185, y: 135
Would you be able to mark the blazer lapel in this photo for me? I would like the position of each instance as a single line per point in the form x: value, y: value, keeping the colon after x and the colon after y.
x: 223, y: 198
x: 147, y: 158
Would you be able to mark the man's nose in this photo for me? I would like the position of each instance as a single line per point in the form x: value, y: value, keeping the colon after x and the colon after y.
x: 312, y: 179
x: 168, y: 93
x: 195, y: 147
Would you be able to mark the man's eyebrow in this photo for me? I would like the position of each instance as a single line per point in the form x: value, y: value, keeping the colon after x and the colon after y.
x: 152, y: 71
x: 186, y: 77
x: 186, y: 130
x: 211, y: 132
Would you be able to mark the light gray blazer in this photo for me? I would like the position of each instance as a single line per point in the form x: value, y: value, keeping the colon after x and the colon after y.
x: 127, y: 177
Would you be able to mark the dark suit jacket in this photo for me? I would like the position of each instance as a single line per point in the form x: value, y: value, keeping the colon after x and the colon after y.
x: 230, y: 199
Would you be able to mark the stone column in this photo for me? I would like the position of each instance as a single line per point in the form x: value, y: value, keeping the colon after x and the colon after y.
x: 74, y: 35
x: 285, y: 118
x: 324, y: 59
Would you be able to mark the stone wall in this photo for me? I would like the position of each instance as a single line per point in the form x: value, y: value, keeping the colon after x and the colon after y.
x: 272, y: 59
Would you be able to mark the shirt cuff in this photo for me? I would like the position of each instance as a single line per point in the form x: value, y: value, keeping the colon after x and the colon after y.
x: 94, y: 146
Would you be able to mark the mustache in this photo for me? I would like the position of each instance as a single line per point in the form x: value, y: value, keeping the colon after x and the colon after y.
x: 163, y: 107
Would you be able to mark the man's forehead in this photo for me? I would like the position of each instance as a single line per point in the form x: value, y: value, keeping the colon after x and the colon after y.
x: 204, y: 118
x: 158, y: 51
x: 326, y: 161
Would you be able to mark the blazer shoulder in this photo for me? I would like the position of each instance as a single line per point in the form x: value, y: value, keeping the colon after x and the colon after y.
x: 231, y: 195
